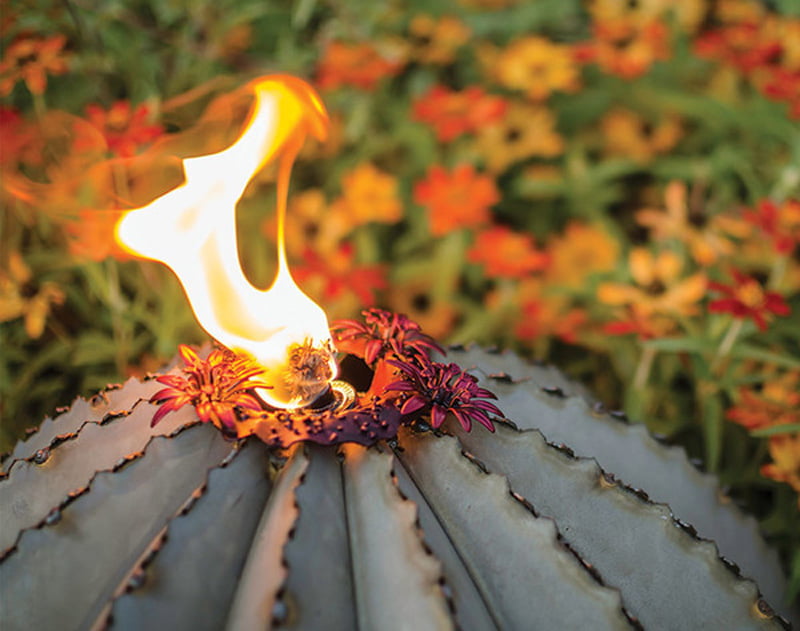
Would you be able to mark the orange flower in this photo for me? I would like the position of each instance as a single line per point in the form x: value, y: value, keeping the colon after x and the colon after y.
x: 525, y: 131
x: 125, y: 129
x: 544, y: 316
x: 582, y: 250
x: 507, y: 254
x: 452, y: 114
x: 369, y: 194
x: 311, y: 224
x: 359, y: 65
x: 785, y: 465
x: 435, y: 41
x: 338, y: 275
x: 635, y: 320
x: 31, y: 59
x: 19, y: 299
x: 658, y: 286
x: 624, y: 48
x: 90, y: 236
x: 459, y: 199
x: 706, y: 236
x: 777, y: 403
x: 537, y: 67
x: 627, y: 134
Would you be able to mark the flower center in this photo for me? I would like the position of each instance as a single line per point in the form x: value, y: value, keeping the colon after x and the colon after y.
x: 750, y: 294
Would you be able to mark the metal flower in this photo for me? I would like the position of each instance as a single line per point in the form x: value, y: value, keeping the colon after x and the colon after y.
x: 444, y: 388
x: 215, y: 387
x: 383, y: 332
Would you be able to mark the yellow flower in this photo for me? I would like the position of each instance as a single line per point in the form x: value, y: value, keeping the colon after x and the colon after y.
x: 581, y: 251
x: 369, y: 194
x: 417, y: 299
x: 688, y: 13
x: 708, y: 240
x: 311, y: 223
x: 537, y: 66
x: 627, y: 134
x: 435, y: 41
x: 525, y: 131
x: 785, y: 465
x: 658, y: 286
x: 18, y: 301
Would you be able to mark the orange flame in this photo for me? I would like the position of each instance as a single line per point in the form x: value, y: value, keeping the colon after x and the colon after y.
x: 192, y: 230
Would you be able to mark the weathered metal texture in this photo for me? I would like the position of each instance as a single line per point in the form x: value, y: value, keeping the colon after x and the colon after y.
x: 633, y: 455
x: 478, y: 531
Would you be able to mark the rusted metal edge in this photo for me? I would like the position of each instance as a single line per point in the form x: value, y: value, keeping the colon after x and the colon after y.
x: 676, y: 453
x: 610, y: 481
x: 40, y: 456
x: 136, y: 577
x: 54, y: 516
x: 560, y: 541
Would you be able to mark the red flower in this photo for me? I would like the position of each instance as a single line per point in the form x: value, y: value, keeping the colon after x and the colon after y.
x: 746, y: 298
x: 444, y: 388
x: 382, y: 332
x: 215, y: 387
x: 452, y: 114
x: 746, y: 46
x: 458, y: 199
x: 124, y: 128
x: 780, y: 223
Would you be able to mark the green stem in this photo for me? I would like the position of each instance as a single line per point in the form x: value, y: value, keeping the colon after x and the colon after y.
x: 728, y: 341
x: 644, y: 367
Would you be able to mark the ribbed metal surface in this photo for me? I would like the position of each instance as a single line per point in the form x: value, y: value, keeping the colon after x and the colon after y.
x: 119, y: 527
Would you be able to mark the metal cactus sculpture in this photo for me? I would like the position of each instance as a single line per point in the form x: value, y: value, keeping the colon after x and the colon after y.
x: 384, y: 513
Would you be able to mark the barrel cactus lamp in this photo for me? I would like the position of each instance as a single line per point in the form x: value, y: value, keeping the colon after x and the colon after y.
x: 356, y: 477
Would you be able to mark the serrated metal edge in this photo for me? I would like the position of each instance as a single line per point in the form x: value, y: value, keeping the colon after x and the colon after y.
x: 244, y: 601
x: 135, y: 578
x: 107, y: 417
x: 442, y: 580
x: 557, y: 538
x: 62, y: 411
x: 612, y: 484
x: 560, y: 540
x: 55, y: 513
x: 676, y: 453
x: 406, y: 518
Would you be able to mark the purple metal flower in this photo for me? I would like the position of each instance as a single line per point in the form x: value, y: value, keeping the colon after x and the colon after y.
x: 381, y: 333
x: 444, y: 388
x: 214, y: 386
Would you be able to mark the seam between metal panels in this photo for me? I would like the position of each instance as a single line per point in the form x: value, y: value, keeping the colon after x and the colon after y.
x: 340, y: 461
x: 437, y: 517
x: 54, y: 516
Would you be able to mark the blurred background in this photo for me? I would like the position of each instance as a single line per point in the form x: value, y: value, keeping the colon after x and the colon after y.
x: 609, y: 186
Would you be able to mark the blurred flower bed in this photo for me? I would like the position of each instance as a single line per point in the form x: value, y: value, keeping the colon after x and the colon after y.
x: 613, y: 187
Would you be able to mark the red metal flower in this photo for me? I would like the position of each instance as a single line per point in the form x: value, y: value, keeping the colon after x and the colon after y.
x: 215, y: 387
x: 444, y: 388
x: 381, y: 333
x: 746, y: 298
